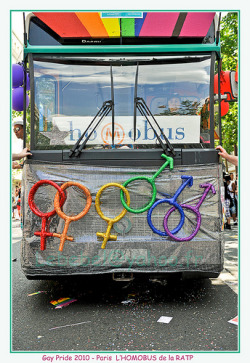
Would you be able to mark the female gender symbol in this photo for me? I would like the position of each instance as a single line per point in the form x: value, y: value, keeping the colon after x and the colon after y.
x: 45, y: 216
x: 170, y: 162
x: 172, y: 201
x: 194, y: 209
x: 69, y: 219
x: 107, y: 236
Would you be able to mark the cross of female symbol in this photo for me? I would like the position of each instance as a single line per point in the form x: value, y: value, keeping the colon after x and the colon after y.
x: 194, y: 209
x: 44, y: 233
x: 169, y: 161
x: 68, y: 219
x: 107, y: 235
x: 187, y: 180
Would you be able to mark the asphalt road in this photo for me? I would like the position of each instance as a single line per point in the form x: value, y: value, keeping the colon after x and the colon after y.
x: 110, y: 316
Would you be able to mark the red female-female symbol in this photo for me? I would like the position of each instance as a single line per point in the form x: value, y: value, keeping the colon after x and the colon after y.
x: 44, y: 233
x: 69, y: 219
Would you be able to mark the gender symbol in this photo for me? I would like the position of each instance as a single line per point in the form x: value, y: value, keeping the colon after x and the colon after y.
x: 194, y: 209
x: 107, y: 235
x: 187, y: 180
x: 170, y: 162
x: 44, y: 233
x: 68, y: 219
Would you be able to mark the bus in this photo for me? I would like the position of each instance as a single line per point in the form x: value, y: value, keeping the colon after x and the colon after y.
x: 124, y: 178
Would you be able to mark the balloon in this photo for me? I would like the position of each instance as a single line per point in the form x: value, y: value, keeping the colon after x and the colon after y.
x: 27, y: 82
x: 17, y: 99
x: 224, y: 108
x: 17, y: 75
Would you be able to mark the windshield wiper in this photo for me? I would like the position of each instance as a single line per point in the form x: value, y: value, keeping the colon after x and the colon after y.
x: 140, y: 104
x: 104, y: 111
x: 145, y: 111
x: 107, y: 106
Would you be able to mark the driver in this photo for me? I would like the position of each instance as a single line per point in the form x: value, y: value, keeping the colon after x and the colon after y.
x: 174, y: 104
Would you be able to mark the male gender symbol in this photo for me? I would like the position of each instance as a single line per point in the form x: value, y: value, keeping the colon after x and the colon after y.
x: 169, y: 161
x: 194, y: 209
x: 187, y: 180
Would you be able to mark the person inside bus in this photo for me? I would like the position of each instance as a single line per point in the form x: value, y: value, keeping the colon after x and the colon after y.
x: 182, y: 106
x: 174, y: 104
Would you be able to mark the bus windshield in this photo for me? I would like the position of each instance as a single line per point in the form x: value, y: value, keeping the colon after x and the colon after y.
x: 69, y: 92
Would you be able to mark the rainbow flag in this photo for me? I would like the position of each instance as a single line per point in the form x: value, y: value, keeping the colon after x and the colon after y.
x: 35, y: 293
x: 64, y: 301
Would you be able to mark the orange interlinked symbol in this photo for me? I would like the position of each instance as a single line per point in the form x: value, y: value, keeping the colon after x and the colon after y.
x: 68, y: 219
x: 106, y: 134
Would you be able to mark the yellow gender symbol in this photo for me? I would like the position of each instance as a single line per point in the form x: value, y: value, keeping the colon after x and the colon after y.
x: 107, y: 236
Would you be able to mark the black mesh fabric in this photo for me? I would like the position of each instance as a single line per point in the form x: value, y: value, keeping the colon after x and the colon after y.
x: 137, y: 248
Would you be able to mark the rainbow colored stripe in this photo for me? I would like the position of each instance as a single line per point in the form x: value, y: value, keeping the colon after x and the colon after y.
x: 65, y: 301
x: 152, y: 24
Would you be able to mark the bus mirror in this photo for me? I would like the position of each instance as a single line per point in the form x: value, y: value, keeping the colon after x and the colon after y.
x: 228, y: 85
x: 234, y: 84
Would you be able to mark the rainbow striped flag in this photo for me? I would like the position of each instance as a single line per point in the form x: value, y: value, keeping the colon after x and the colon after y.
x: 64, y: 301
x: 38, y: 292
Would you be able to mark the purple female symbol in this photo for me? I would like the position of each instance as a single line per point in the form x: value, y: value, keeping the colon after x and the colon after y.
x: 194, y: 209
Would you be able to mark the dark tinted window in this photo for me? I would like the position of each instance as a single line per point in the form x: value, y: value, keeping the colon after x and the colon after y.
x: 40, y: 34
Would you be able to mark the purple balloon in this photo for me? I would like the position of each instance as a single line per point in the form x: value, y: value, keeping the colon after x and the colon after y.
x: 27, y: 82
x: 17, y: 75
x: 17, y: 99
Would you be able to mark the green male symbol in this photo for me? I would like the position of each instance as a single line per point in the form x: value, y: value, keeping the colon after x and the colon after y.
x: 169, y: 161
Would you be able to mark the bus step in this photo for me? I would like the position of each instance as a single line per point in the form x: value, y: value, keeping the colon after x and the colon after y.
x: 123, y: 276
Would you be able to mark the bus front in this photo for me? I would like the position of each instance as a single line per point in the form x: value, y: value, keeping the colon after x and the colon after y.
x: 122, y: 102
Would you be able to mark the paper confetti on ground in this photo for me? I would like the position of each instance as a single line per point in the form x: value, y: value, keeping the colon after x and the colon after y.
x: 35, y: 293
x: 64, y: 301
x: 64, y: 326
x: 164, y: 319
x: 130, y: 301
x: 234, y: 321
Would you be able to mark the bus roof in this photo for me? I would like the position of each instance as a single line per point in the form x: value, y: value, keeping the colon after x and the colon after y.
x: 121, y: 28
x: 147, y: 24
